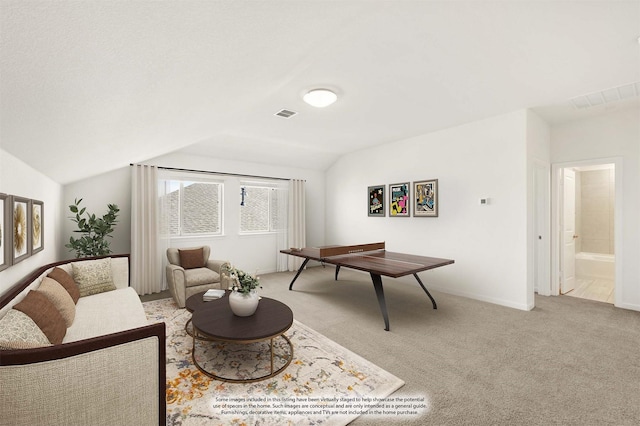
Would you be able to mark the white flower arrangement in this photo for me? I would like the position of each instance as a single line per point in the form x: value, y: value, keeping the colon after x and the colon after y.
x: 243, y: 283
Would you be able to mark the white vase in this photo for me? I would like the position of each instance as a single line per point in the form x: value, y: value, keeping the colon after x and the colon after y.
x: 243, y: 305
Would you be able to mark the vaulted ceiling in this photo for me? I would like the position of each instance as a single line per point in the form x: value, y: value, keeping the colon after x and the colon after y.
x: 87, y: 87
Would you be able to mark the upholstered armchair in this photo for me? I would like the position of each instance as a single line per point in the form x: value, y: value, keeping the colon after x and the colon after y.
x: 190, y: 271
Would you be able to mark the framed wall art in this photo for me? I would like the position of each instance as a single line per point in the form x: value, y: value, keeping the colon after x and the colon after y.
x: 425, y: 197
x: 21, y: 230
x: 5, y: 233
x: 37, y: 226
x: 399, y: 199
x: 376, y: 201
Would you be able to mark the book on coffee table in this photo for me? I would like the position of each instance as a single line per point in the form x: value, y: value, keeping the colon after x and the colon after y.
x: 213, y: 294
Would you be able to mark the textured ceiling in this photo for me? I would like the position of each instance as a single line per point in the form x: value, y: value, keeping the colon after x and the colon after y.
x: 87, y: 87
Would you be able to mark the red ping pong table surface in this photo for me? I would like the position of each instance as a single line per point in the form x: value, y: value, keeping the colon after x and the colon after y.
x: 372, y: 258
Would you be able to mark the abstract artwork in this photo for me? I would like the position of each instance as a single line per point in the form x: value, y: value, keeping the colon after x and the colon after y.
x: 399, y: 199
x: 376, y: 201
x: 37, y: 226
x: 20, y: 218
x: 425, y: 196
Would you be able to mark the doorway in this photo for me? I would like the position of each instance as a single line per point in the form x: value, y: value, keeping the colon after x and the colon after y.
x: 588, y: 230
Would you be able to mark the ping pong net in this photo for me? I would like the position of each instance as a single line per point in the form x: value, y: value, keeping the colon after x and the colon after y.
x: 330, y: 251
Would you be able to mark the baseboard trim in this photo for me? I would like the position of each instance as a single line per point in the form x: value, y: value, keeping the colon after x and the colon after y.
x: 629, y: 306
x: 483, y: 298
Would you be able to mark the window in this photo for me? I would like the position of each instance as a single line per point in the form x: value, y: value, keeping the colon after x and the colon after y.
x: 261, y: 209
x: 193, y: 208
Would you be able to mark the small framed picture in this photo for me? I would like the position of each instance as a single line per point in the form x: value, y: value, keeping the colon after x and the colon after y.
x: 376, y: 201
x: 37, y: 226
x: 425, y: 197
x: 5, y: 231
x: 399, y: 199
x: 20, y: 229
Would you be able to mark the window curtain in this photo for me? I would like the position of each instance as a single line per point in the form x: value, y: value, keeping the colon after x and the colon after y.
x: 282, y: 242
x: 296, y: 221
x: 164, y: 193
x: 147, y: 246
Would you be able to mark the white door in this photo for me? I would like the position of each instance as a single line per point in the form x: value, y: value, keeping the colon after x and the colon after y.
x: 568, y: 281
x: 541, y: 268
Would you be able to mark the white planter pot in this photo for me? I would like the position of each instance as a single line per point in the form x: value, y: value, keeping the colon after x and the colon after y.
x: 243, y: 305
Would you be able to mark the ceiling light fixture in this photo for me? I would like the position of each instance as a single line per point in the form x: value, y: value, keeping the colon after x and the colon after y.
x: 320, y: 98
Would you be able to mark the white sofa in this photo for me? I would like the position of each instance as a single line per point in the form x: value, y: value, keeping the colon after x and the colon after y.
x: 108, y: 370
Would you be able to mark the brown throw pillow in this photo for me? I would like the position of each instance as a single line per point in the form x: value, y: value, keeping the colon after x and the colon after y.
x: 67, y: 282
x: 193, y: 258
x: 38, y: 307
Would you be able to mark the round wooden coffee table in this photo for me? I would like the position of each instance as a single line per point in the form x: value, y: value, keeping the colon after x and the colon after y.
x: 214, y: 320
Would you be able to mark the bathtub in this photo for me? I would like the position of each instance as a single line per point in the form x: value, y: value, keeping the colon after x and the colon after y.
x: 595, y: 265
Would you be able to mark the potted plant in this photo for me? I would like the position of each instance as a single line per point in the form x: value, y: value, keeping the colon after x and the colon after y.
x: 94, y: 230
x: 244, y: 298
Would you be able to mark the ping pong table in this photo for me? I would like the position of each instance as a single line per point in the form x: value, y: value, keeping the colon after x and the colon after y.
x: 372, y: 258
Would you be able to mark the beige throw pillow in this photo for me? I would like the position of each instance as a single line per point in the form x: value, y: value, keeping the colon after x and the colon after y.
x: 60, y: 299
x: 93, y: 276
x: 66, y: 281
x: 18, y: 331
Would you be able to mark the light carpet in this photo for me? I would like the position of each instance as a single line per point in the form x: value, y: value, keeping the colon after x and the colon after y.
x: 325, y: 384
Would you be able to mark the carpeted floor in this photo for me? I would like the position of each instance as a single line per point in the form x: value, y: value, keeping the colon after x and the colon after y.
x: 567, y: 362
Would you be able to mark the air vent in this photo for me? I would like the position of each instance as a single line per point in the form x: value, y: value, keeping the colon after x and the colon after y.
x: 285, y: 113
x: 607, y: 96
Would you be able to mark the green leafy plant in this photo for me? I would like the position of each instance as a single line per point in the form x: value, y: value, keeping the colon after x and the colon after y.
x: 94, y: 230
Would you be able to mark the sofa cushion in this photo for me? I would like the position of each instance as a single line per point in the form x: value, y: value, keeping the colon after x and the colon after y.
x: 93, y: 276
x: 18, y: 331
x: 60, y: 298
x: 106, y: 313
x: 192, y: 258
x: 66, y: 281
x: 47, y: 317
x: 200, y: 276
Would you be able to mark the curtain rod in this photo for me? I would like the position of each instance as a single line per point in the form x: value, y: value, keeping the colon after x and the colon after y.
x: 213, y: 173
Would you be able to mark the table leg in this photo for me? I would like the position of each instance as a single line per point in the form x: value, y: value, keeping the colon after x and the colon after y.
x: 271, y: 355
x: 298, y: 273
x: 337, y: 270
x: 426, y: 291
x: 193, y: 346
x: 377, y: 285
x: 186, y: 328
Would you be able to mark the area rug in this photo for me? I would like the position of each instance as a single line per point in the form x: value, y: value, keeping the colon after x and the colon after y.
x: 325, y: 384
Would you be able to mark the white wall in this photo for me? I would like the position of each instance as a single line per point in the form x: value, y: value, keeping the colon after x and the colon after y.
x: 250, y: 252
x: 17, y: 178
x: 96, y: 193
x: 616, y: 134
x: 484, y: 159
